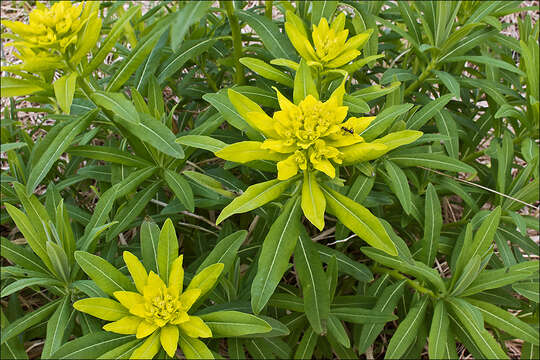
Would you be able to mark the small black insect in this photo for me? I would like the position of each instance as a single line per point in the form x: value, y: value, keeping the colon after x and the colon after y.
x: 350, y: 131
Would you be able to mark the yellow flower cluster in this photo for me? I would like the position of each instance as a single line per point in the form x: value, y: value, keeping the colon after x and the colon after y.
x: 307, y: 136
x: 331, y: 48
x: 45, y: 40
x: 156, y: 310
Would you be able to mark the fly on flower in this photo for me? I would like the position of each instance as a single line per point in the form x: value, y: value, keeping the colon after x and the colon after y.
x: 160, y: 310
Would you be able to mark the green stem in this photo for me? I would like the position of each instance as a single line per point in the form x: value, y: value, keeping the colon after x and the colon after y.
x: 415, y: 85
x: 237, y: 42
x: 268, y: 9
x: 397, y: 275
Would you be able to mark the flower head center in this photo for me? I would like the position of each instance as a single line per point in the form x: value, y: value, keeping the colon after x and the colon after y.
x: 163, y: 309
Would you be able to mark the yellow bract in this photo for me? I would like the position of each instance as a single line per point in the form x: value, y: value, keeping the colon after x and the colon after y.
x: 156, y: 306
x: 312, y: 135
x: 330, y: 48
x: 50, y: 32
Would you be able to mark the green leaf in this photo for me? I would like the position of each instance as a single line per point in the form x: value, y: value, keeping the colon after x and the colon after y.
x: 122, y: 351
x: 529, y: 290
x: 91, y: 346
x: 24, y: 283
x: 486, y: 60
x: 449, y: 81
x: 58, y: 145
x: 13, y: 348
x: 400, y: 185
x: 470, y: 272
x: 360, y: 220
x: 56, y: 328
x: 362, y: 316
x: 11, y: 146
x: 221, y: 102
x: 355, y: 104
x: 59, y: 260
x: 18, y: 87
x: 346, y: 265
x: 234, y: 323
x: 507, y: 322
x: 112, y: 37
x: 491, y: 279
x: 109, y: 154
x: 307, y: 345
x: 407, y: 330
x: 267, y: 71
x: 189, y: 50
x: 384, y: 120
x: 194, y: 348
x: 21, y: 256
x: 447, y: 126
x: 274, y: 40
x: 208, y: 182
x: 313, y: 281
x: 432, y: 226
x: 138, y: 55
x: 313, y: 200
x: 438, y: 333
x: 429, y: 160
x: 118, y: 105
x: 385, y: 304
x: 106, y: 276
x: 421, y: 117
x: 27, y: 321
x: 225, y: 251
x: 337, y: 330
x: 167, y: 250
x: 181, y: 188
x: 191, y: 13
x: 64, y: 89
x: 149, y: 245
x: 481, y: 337
x: 322, y: 9
x: 201, y: 142
x: 128, y: 213
x: 36, y: 242
x: 255, y: 196
x: 276, y: 251
x: 304, y: 84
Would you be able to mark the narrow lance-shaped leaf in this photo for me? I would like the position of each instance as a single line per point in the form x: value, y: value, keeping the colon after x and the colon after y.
x: 167, y: 250
x: 438, y: 333
x: 313, y: 281
x: 276, y: 251
x: 432, y: 226
x: 360, y: 220
x: 407, y: 330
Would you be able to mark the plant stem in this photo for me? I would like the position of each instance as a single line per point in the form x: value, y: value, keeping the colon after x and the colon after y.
x: 415, y: 85
x: 268, y: 9
x: 237, y: 42
x: 397, y: 275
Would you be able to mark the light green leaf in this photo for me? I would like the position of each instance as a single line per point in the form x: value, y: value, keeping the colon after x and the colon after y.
x: 429, y: 160
x: 64, y: 89
x: 362, y: 316
x: 118, y: 105
x: 267, y: 71
x: 255, y: 196
x: 56, y: 328
x: 400, y: 185
x: 304, y: 84
x: 91, y: 346
x: 432, y: 226
x: 18, y: 87
x: 201, y: 142
x: 234, y: 323
x: 360, y: 220
x: 322, y: 9
x: 194, y: 348
x: 109, y: 154
x: 24, y: 283
x: 313, y: 200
